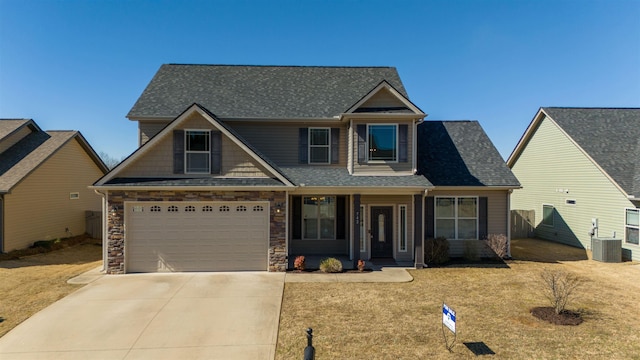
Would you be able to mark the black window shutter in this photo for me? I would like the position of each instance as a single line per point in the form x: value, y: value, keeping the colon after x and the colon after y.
x: 341, y: 216
x: 483, y: 215
x: 216, y: 152
x: 403, y: 143
x: 303, y: 146
x: 296, y: 217
x: 362, y: 143
x: 335, y: 145
x: 178, y: 151
x: 429, y: 231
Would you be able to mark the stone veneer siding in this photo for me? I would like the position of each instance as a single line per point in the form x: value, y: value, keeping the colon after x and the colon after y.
x: 115, y: 223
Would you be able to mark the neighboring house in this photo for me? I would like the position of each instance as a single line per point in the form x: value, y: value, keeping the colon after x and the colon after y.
x: 44, y: 179
x: 580, y: 166
x: 245, y: 167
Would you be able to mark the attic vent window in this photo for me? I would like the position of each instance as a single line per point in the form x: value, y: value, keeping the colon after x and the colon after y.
x: 74, y: 196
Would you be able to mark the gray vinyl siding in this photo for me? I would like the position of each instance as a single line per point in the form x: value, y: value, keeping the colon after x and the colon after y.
x: 382, y: 99
x: 497, y: 215
x: 279, y: 141
x: 552, y: 170
x: 382, y: 168
x: 148, y: 129
x: 9, y: 141
x: 236, y: 162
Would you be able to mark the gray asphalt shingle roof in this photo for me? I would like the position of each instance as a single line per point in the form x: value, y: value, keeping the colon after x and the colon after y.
x: 459, y: 153
x: 202, y: 181
x: 282, y: 92
x: 610, y: 136
x: 340, y: 177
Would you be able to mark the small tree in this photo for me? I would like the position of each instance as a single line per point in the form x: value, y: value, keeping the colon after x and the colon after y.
x: 498, y: 244
x: 558, y: 287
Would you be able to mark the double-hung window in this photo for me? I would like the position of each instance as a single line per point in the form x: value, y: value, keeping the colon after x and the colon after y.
x: 197, y: 152
x: 319, y: 145
x: 632, y: 226
x: 383, y: 143
x: 456, y: 217
x: 319, y: 217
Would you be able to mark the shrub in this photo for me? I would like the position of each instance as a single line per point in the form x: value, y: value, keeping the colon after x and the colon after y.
x: 498, y: 244
x: 331, y: 265
x: 558, y: 286
x: 299, y: 263
x: 436, y: 251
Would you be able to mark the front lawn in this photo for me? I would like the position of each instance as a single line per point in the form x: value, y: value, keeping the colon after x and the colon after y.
x: 30, y: 283
x: 403, y: 320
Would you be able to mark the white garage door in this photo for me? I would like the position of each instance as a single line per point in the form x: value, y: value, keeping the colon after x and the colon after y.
x: 196, y: 236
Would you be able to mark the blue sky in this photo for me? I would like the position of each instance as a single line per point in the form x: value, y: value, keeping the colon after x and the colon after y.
x: 81, y: 65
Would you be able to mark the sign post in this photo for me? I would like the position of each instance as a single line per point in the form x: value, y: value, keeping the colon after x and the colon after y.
x: 448, y: 321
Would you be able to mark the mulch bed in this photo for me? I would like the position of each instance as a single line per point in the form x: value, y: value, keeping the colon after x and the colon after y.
x: 318, y: 271
x: 566, y: 317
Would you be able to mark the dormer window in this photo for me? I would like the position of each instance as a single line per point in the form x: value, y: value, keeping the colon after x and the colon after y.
x: 197, y: 155
x: 319, y: 145
x: 383, y: 143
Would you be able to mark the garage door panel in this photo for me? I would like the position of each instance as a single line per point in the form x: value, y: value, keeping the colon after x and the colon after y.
x: 218, y: 239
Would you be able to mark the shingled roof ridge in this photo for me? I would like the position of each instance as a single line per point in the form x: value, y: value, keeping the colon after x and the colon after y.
x: 290, y: 66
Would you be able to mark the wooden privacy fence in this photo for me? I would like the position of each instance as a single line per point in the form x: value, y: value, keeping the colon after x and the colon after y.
x: 523, y: 223
x: 93, y: 224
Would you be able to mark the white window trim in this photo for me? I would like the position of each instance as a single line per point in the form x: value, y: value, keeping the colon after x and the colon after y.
x: 371, y: 161
x: 456, y: 218
x: 187, y: 152
x: 328, y: 146
x: 363, y: 228
x: 630, y: 226
x: 402, y: 226
x: 553, y: 220
x: 335, y: 222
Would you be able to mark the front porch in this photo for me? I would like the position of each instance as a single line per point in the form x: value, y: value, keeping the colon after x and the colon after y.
x: 312, y: 262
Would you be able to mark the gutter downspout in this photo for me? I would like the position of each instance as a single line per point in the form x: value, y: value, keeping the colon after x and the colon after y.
x: 105, y: 219
x: 509, y: 222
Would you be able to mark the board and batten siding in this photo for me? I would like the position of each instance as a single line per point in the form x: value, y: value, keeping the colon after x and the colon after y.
x: 552, y: 170
x: 387, y: 167
x: 13, y: 139
x: 497, y: 215
x: 280, y: 141
x: 394, y: 201
x: 40, y: 208
x: 158, y: 161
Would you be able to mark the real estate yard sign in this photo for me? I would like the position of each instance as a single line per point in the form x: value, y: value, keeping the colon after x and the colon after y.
x: 449, y: 318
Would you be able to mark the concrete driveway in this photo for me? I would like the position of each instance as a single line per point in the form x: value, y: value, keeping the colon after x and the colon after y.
x: 157, y: 316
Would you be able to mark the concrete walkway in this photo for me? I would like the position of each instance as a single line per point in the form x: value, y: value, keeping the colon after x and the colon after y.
x: 156, y: 316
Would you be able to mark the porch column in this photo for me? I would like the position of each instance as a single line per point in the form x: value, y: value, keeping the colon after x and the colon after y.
x: 357, y: 218
x: 418, y: 238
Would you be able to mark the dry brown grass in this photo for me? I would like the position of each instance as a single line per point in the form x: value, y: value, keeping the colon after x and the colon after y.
x: 31, y: 283
x: 403, y: 321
